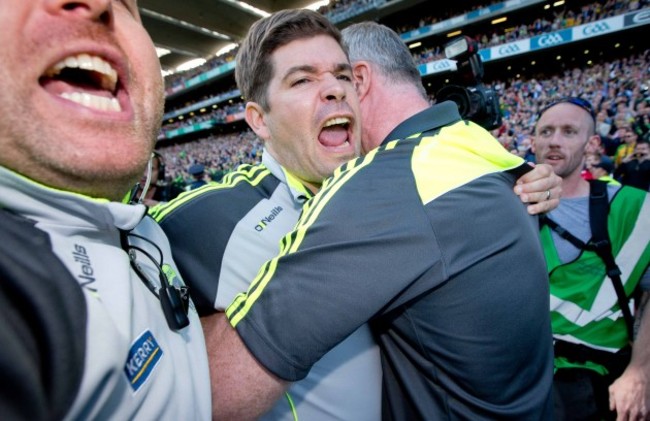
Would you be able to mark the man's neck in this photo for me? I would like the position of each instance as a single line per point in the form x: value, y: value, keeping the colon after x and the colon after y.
x: 392, y: 105
x: 575, y: 186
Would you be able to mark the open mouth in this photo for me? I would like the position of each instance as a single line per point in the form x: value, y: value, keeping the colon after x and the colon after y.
x: 335, y: 132
x: 86, y: 80
x: 553, y: 158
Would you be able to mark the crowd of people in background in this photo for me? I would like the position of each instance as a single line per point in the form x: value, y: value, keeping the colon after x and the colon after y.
x: 622, y: 106
x: 176, y: 80
x: 556, y: 20
x: 217, y: 115
x: 622, y: 103
x: 218, y: 154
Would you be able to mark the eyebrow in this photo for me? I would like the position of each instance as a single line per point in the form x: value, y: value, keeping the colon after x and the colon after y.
x: 559, y: 126
x: 339, y: 68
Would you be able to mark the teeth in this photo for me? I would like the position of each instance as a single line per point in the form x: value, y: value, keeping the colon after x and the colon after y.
x: 335, y: 121
x: 88, y: 62
x: 71, y: 62
x: 93, y: 101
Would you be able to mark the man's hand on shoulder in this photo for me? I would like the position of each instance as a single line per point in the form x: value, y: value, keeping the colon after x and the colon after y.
x: 242, y: 388
x: 540, y: 188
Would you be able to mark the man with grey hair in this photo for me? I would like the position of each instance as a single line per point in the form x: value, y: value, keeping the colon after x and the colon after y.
x: 464, y: 333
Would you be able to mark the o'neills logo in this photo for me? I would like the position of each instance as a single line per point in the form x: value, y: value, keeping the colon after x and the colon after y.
x: 86, y: 273
x: 267, y: 220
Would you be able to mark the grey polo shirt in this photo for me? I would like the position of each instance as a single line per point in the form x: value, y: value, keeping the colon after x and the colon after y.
x: 221, y: 235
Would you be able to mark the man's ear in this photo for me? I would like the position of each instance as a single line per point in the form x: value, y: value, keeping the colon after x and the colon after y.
x: 532, y: 144
x: 593, y: 140
x: 254, y: 115
x: 362, y: 73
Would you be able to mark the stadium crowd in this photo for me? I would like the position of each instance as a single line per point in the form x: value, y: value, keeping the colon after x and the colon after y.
x: 217, y: 115
x: 556, y: 19
x: 116, y: 285
x: 569, y: 15
x: 219, y: 154
x: 622, y: 104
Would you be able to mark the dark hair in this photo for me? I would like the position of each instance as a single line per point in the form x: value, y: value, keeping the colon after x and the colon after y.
x: 254, y: 67
x: 578, y: 102
x: 606, y: 165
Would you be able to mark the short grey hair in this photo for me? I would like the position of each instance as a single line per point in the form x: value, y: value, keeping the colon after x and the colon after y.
x: 380, y: 45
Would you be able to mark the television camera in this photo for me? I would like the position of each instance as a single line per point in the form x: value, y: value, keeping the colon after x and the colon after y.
x: 475, y: 101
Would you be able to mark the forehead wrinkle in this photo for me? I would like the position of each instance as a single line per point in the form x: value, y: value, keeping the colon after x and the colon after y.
x: 306, y: 68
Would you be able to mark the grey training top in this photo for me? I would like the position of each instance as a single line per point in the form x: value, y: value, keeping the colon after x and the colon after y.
x: 133, y: 366
x: 221, y: 235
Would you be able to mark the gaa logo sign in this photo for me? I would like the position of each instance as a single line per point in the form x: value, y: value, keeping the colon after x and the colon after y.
x: 550, y: 40
x: 596, y: 29
x: 441, y: 65
x: 509, y: 49
x: 642, y: 17
x: 638, y: 18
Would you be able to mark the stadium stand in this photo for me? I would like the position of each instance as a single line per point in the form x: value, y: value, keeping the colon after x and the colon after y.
x: 540, y: 51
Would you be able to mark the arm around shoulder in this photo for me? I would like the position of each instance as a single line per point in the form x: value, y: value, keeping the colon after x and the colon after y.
x: 540, y: 188
x: 242, y: 388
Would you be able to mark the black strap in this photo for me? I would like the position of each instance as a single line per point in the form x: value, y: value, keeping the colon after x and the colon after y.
x: 599, y: 243
x: 559, y: 230
x: 598, y: 212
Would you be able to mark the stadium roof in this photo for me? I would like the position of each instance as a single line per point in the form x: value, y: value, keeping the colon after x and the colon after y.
x: 200, y: 28
x: 192, y: 29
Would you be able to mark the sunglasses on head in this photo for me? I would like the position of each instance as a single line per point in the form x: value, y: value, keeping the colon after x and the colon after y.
x: 582, y: 103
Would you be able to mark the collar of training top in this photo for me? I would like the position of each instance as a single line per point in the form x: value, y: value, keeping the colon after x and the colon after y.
x: 432, y: 118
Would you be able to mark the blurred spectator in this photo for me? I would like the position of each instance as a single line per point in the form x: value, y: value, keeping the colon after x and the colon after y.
x: 197, y: 171
x: 524, y: 149
x: 626, y: 149
x: 161, y: 188
x: 635, y: 171
x: 603, y: 129
x: 641, y: 123
x: 603, y: 170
